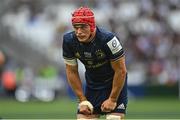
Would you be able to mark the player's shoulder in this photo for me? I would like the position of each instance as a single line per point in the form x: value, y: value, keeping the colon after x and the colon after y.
x: 68, y: 36
x: 104, y: 32
x: 105, y: 35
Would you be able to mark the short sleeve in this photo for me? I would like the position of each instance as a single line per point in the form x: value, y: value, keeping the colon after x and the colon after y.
x: 114, y: 48
x: 67, y: 49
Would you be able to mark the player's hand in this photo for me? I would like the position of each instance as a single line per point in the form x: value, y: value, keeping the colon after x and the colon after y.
x: 108, y: 105
x: 84, y: 109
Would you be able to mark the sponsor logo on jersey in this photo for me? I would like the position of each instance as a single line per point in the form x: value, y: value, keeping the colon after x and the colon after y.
x: 90, y: 62
x: 96, y: 65
x: 87, y: 54
x: 114, y: 45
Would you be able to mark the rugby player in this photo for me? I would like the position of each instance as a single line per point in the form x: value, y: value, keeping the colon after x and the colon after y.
x: 104, y: 59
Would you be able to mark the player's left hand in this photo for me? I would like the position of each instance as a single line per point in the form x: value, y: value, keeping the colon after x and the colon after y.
x: 108, y: 105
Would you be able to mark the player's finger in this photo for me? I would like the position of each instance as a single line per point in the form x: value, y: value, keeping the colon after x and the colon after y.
x: 106, y: 110
x: 102, y: 107
x: 85, y: 111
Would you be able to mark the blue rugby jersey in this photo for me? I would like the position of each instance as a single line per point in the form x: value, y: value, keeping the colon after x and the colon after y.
x: 95, y: 55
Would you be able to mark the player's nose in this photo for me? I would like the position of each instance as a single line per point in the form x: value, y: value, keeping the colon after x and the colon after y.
x: 79, y: 31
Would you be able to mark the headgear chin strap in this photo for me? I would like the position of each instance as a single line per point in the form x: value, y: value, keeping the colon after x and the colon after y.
x: 84, y: 15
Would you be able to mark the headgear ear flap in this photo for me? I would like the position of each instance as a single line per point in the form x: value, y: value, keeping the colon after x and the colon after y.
x: 84, y: 15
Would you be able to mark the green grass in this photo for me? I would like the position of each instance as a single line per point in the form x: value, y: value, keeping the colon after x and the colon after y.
x: 35, y: 109
x: 149, y: 108
x: 156, y: 108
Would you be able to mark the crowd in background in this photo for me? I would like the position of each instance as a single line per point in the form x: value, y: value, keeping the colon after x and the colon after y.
x: 148, y: 29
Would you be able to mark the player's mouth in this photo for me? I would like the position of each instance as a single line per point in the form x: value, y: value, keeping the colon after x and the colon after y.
x: 81, y: 37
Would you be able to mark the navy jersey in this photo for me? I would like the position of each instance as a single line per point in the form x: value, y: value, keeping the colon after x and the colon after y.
x: 95, y: 55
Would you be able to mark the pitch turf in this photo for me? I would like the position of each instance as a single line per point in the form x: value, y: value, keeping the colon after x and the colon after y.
x: 148, y: 108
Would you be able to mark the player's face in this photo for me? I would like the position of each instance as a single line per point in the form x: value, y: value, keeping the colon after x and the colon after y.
x: 82, y: 32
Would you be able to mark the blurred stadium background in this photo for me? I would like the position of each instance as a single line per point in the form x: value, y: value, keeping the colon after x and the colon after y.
x: 32, y: 75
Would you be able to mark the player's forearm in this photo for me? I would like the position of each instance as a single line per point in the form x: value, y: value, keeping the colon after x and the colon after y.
x: 118, y: 83
x: 75, y: 83
x: 119, y: 77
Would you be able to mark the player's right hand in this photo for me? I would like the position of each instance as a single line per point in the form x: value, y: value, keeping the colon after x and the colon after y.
x: 84, y: 109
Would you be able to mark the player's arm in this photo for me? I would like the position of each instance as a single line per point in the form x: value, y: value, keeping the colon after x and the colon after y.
x: 118, y: 83
x: 74, y: 81
x: 73, y: 78
x: 119, y: 68
x: 115, y: 53
x: 85, y: 107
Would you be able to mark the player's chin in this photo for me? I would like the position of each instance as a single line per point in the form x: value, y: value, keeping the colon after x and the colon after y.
x: 83, y: 40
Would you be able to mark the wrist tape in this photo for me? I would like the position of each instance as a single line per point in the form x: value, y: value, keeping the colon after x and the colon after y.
x: 90, y: 106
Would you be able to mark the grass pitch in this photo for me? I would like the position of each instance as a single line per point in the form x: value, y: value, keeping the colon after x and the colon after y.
x: 147, y: 108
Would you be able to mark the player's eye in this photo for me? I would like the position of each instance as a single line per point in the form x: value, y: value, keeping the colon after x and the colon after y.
x: 82, y: 26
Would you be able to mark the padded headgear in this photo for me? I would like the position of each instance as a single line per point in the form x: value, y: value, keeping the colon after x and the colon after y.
x: 84, y: 15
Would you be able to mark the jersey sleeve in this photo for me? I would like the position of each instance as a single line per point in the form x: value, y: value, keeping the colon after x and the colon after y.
x: 68, y: 53
x: 114, y: 48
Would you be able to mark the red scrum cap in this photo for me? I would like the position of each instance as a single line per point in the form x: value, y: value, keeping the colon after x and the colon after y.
x: 84, y: 15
